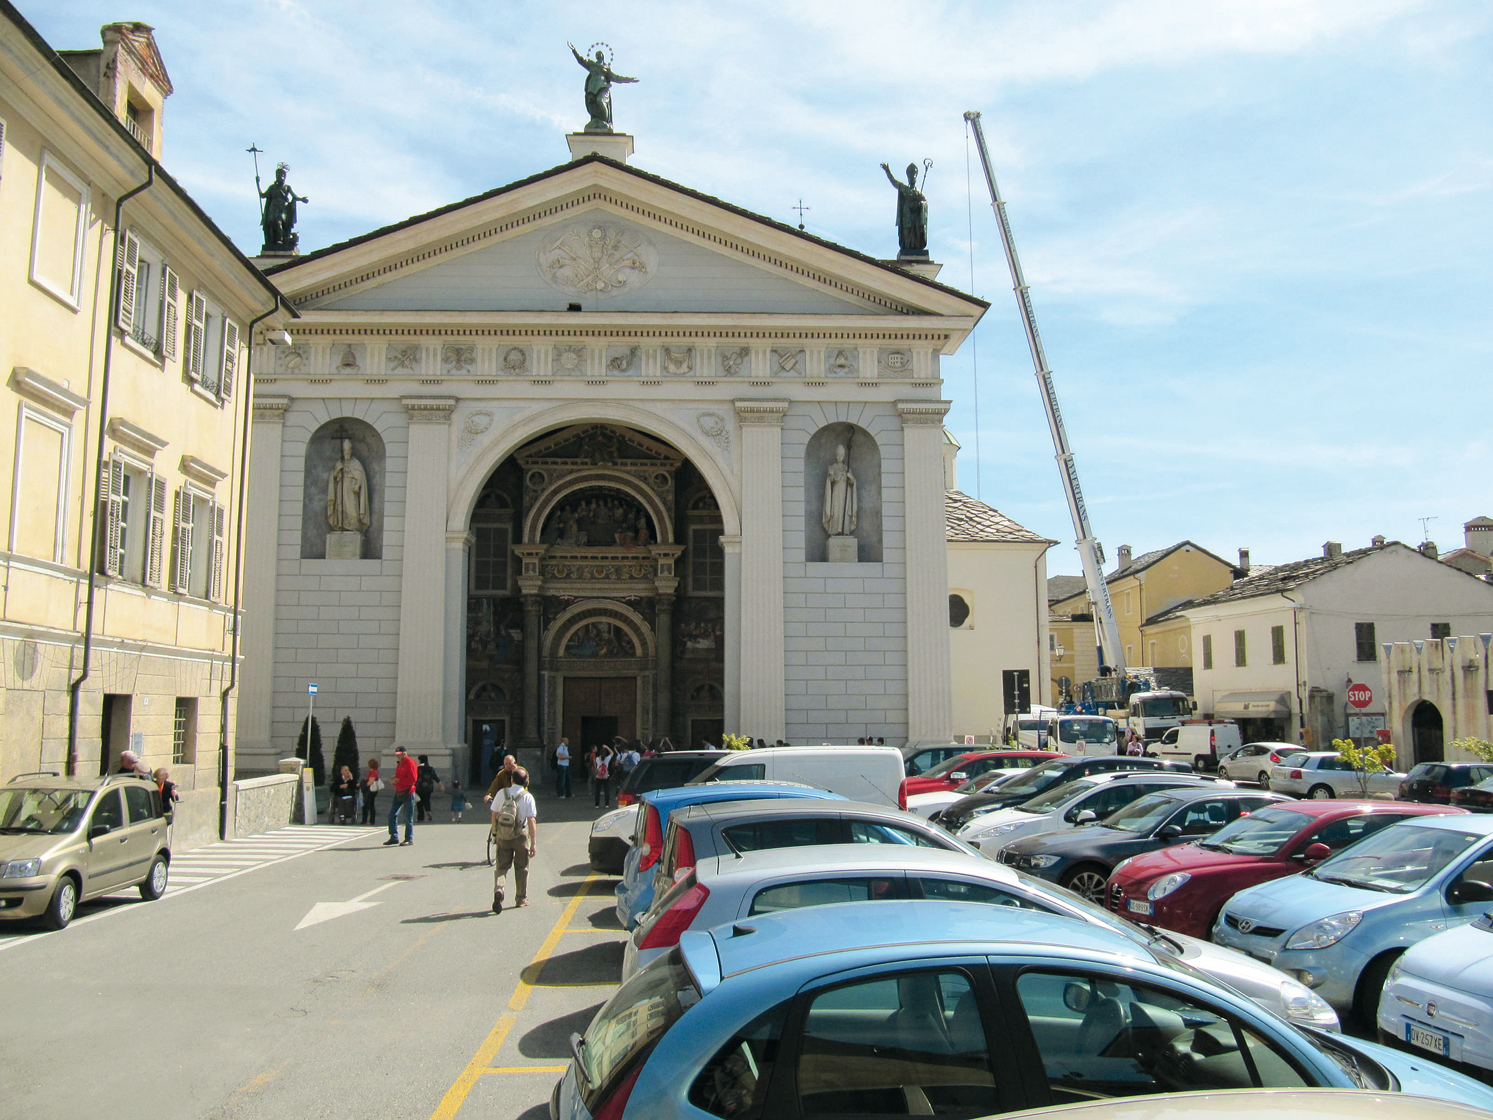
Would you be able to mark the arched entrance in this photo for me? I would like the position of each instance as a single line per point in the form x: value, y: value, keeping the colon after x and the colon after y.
x: 1426, y: 733
x: 596, y: 590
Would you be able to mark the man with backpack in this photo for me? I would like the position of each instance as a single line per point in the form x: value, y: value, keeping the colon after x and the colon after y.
x: 515, y: 827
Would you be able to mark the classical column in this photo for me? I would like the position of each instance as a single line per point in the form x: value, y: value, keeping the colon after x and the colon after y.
x: 532, y: 618
x: 260, y: 545
x: 731, y: 671
x: 665, y: 582
x: 458, y: 549
x: 419, y: 700
x: 761, y: 647
x: 930, y: 695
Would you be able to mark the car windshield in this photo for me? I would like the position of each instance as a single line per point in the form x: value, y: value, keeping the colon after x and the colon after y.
x: 946, y: 767
x: 1166, y: 707
x: 1038, y: 778
x: 1058, y: 795
x: 633, y: 1020
x: 1260, y: 834
x: 52, y: 811
x: 1142, y: 815
x: 1397, y: 860
x: 1087, y: 731
x: 983, y: 781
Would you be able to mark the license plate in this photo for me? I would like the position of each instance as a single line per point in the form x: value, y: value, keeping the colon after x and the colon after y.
x: 1259, y: 956
x: 1434, y: 1041
x: 1136, y: 907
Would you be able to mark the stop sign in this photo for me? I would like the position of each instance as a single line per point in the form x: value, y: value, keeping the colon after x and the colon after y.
x: 1360, y: 695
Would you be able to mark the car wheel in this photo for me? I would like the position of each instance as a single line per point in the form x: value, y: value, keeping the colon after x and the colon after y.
x: 1320, y: 793
x: 1088, y: 880
x: 155, y: 883
x: 1371, y: 987
x: 1264, y: 779
x: 63, y: 905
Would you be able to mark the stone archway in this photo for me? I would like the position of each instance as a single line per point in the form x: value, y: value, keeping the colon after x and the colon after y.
x: 1426, y: 733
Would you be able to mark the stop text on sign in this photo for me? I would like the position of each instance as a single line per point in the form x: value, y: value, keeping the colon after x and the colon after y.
x: 1360, y: 695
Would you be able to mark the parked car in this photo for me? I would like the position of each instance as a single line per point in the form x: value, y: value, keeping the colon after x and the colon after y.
x: 1073, y: 804
x: 852, y: 1010
x: 635, y: 891
x: 1201, y: 743
x: 1081, y: 859
x: 1263, y: 1104
x: 1475, y: 799
x: 733, y: 888
x: 734, y: 827
x: 1184, y: 887
x: 1252, y: 761
x: 1434, y: 782
x: 1323, y: 774
x: 1339, y: 927
x: 918, y: 759
x: 1438, y: 998
x: 663, y: 771
x: 962, y: 767
x: 66, y: 840
x: 863, y: 773
x: 927, y: 805
x: 1038, y: 779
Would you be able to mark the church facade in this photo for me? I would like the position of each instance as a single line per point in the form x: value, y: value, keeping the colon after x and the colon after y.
x: 593, y: 454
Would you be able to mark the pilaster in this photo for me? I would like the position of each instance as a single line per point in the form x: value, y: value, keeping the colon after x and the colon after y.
x: 930, y: 696
x: 458, y: 549
x: 261, y: 535
x: 731, y: 670
x: 762, y: 700
x: 419, y: 713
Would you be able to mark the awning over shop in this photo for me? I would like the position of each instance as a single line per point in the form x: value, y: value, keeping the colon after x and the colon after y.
x: 1252, y: 705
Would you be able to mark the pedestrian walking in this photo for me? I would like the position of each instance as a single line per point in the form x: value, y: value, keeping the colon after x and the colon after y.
x: 344, y: 806
x: 515, y: 826
x: 458, y: 800
x: 370, y: 787
x: 605, y: 759
x: 562, y: 768
x: 426, y: 783
x: 405, y: 775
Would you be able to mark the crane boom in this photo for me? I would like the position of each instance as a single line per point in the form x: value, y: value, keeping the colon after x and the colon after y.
x: 1090, y: 552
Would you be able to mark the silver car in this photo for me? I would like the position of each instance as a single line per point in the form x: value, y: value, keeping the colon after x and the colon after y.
x: 1323, y: 775
x: 724, y: 889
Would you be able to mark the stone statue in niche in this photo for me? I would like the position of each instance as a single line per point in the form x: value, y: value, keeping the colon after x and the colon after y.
x: 347, y: 506
x: 839, y: 511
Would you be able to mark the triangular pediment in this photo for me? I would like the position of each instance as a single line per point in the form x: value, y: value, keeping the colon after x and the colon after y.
x: 608, y: 238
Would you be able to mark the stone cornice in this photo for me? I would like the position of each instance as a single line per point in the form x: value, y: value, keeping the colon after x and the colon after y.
x: 761, y: 411
x: 460, y: 538
x: 45, y: 391
x: 136, y: 438
x: 201, y: 471
x: 270, y: 409
x: 923, y: 413
x: 428, y: 410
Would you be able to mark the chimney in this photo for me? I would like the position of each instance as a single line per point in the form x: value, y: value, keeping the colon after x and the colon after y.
x: 1332, y: 550
x: 1124, y: 551
x: 1430, y: 549
x: 1377, y: 541
x: 1244, y: 560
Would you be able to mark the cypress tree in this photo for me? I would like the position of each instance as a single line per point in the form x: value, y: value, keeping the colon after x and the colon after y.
x: 318, y: 763
x: 345, y: 753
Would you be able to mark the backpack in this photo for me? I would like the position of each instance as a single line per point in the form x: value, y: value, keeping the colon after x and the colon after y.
x: 506, y: 825
x: 601, y: 766
x: 425, y: 782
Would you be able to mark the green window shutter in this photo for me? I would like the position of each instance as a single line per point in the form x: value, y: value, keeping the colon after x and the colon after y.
x: 230, y: 358
x: 215, y: 592
x: 157, y: 540
x: 114, y: 518
x: 129, y: 273
x: 170, y: 311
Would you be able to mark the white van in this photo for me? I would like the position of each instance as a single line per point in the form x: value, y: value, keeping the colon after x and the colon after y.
x: 860, y: 773
x: 1031, y: 727
x: 1153, y: 714
x: 1199, y: 742
x: 1078, y: 734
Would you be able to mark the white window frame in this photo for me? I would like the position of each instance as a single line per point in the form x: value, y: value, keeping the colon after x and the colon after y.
x: 222, y: 360
x: 214, y: 540
x: 59, y: 542
x: 166, y: 285
x: 148, y: 521
x: 73, y: 296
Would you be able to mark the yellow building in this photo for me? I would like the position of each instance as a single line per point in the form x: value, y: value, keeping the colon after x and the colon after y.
x: 126, y: 321
x: 1140, y: 588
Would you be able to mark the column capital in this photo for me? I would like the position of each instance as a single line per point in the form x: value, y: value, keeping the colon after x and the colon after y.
x: 460, y: 539
x: 428, y: 410
x: 919, y: 413
x: 752, y: 411
x: 270, y: 409
x: 731, y: 543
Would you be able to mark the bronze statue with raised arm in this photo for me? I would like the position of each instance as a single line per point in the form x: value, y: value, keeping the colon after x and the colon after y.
x: 912, y: 214
x: 599, y: 79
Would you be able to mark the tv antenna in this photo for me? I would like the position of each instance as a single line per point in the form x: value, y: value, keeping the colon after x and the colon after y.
x: 1424, y: 532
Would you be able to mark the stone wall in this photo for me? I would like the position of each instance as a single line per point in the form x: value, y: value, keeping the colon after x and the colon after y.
x: 263, y: 804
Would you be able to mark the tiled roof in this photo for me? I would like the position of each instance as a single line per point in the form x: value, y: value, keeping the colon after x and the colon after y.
x: 1266, y: 579
x: 1146, y: 559
x: 969, y: 519
x: 1063, y: 587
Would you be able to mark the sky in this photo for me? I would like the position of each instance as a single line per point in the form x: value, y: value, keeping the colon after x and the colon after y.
x: 1256, y: 231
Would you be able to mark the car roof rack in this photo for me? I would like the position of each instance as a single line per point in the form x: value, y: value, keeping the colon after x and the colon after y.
x: 35, y: 774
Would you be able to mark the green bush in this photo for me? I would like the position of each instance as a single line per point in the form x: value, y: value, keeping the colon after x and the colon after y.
x: 345, y: 753
x: 314, y: 758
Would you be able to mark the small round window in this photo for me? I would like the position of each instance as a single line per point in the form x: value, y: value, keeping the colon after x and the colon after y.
x: 958, y: 611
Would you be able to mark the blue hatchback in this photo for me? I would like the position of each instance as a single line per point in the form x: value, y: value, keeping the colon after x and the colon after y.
x: 635, y: 892
x: 913, y: 1008
x: 1339, y: 927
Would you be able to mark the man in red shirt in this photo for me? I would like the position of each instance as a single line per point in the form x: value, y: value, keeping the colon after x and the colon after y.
x: 405, y: 773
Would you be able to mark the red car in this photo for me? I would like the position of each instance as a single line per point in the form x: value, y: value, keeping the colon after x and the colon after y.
x: 969, y: 765
x: 1183, y: 888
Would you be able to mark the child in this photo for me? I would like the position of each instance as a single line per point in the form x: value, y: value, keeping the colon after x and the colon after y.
x: 458, y: 801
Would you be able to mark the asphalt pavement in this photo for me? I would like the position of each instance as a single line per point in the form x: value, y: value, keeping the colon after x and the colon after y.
x: 343, y: 979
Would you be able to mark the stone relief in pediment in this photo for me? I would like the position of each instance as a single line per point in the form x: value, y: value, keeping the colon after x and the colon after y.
x: 568, y: 361
x: 596, y: 258
x: 678, y: 361
x: 895, y: 363
x: 735, y: 360
x: 514, y: 361
x: 349, y: 359
x: 292, y: 361
x: 458, y: 358
x: 475, y: 424
x: 787, y: 363
x: 402, y: 358
x: 844, y: 362
x: 623, y: 359
x: 714, y: 425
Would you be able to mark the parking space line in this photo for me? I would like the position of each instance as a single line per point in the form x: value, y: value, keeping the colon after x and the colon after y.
x: 481, y: 1062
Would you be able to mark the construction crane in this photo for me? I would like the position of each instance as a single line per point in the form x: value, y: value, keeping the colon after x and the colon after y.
x: 1090, y: 552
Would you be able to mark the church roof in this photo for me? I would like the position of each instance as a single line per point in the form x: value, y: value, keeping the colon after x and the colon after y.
x: 971, y: 520
x: 594, y: 158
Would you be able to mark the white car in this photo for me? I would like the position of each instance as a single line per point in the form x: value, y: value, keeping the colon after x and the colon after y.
x: 1081, y: 801
x: 1323, y: 775
x: 1252, y: 761
x: 926, y: 804
x: 1438, y: 998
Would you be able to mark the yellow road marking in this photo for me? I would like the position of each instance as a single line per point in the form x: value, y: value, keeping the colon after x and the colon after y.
x: 481, y: 1062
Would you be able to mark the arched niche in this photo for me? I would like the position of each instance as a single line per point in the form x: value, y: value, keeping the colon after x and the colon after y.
x: 622, y: 501
x: 863, y: 456
x: 322, y: 452
x: 631, y: 632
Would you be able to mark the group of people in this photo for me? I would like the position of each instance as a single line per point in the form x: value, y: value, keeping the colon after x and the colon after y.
x: 356, y: 797
x: 129, y: 763
x: 605, y: 763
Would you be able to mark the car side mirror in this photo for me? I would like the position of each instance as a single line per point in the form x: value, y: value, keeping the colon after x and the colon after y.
x: 1076, y: 997
x: 1088, y: 816
x: 1470, y: 890
x: 95, y: 831
x: 1169, y: 832
x: 958, y: 776
x: 1315, y: 853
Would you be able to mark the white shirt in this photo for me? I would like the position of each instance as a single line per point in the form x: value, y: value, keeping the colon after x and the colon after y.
x: 527, y: 810
x: 562, y: 755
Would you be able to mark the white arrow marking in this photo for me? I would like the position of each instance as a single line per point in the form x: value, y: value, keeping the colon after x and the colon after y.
x: 326, y: 911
